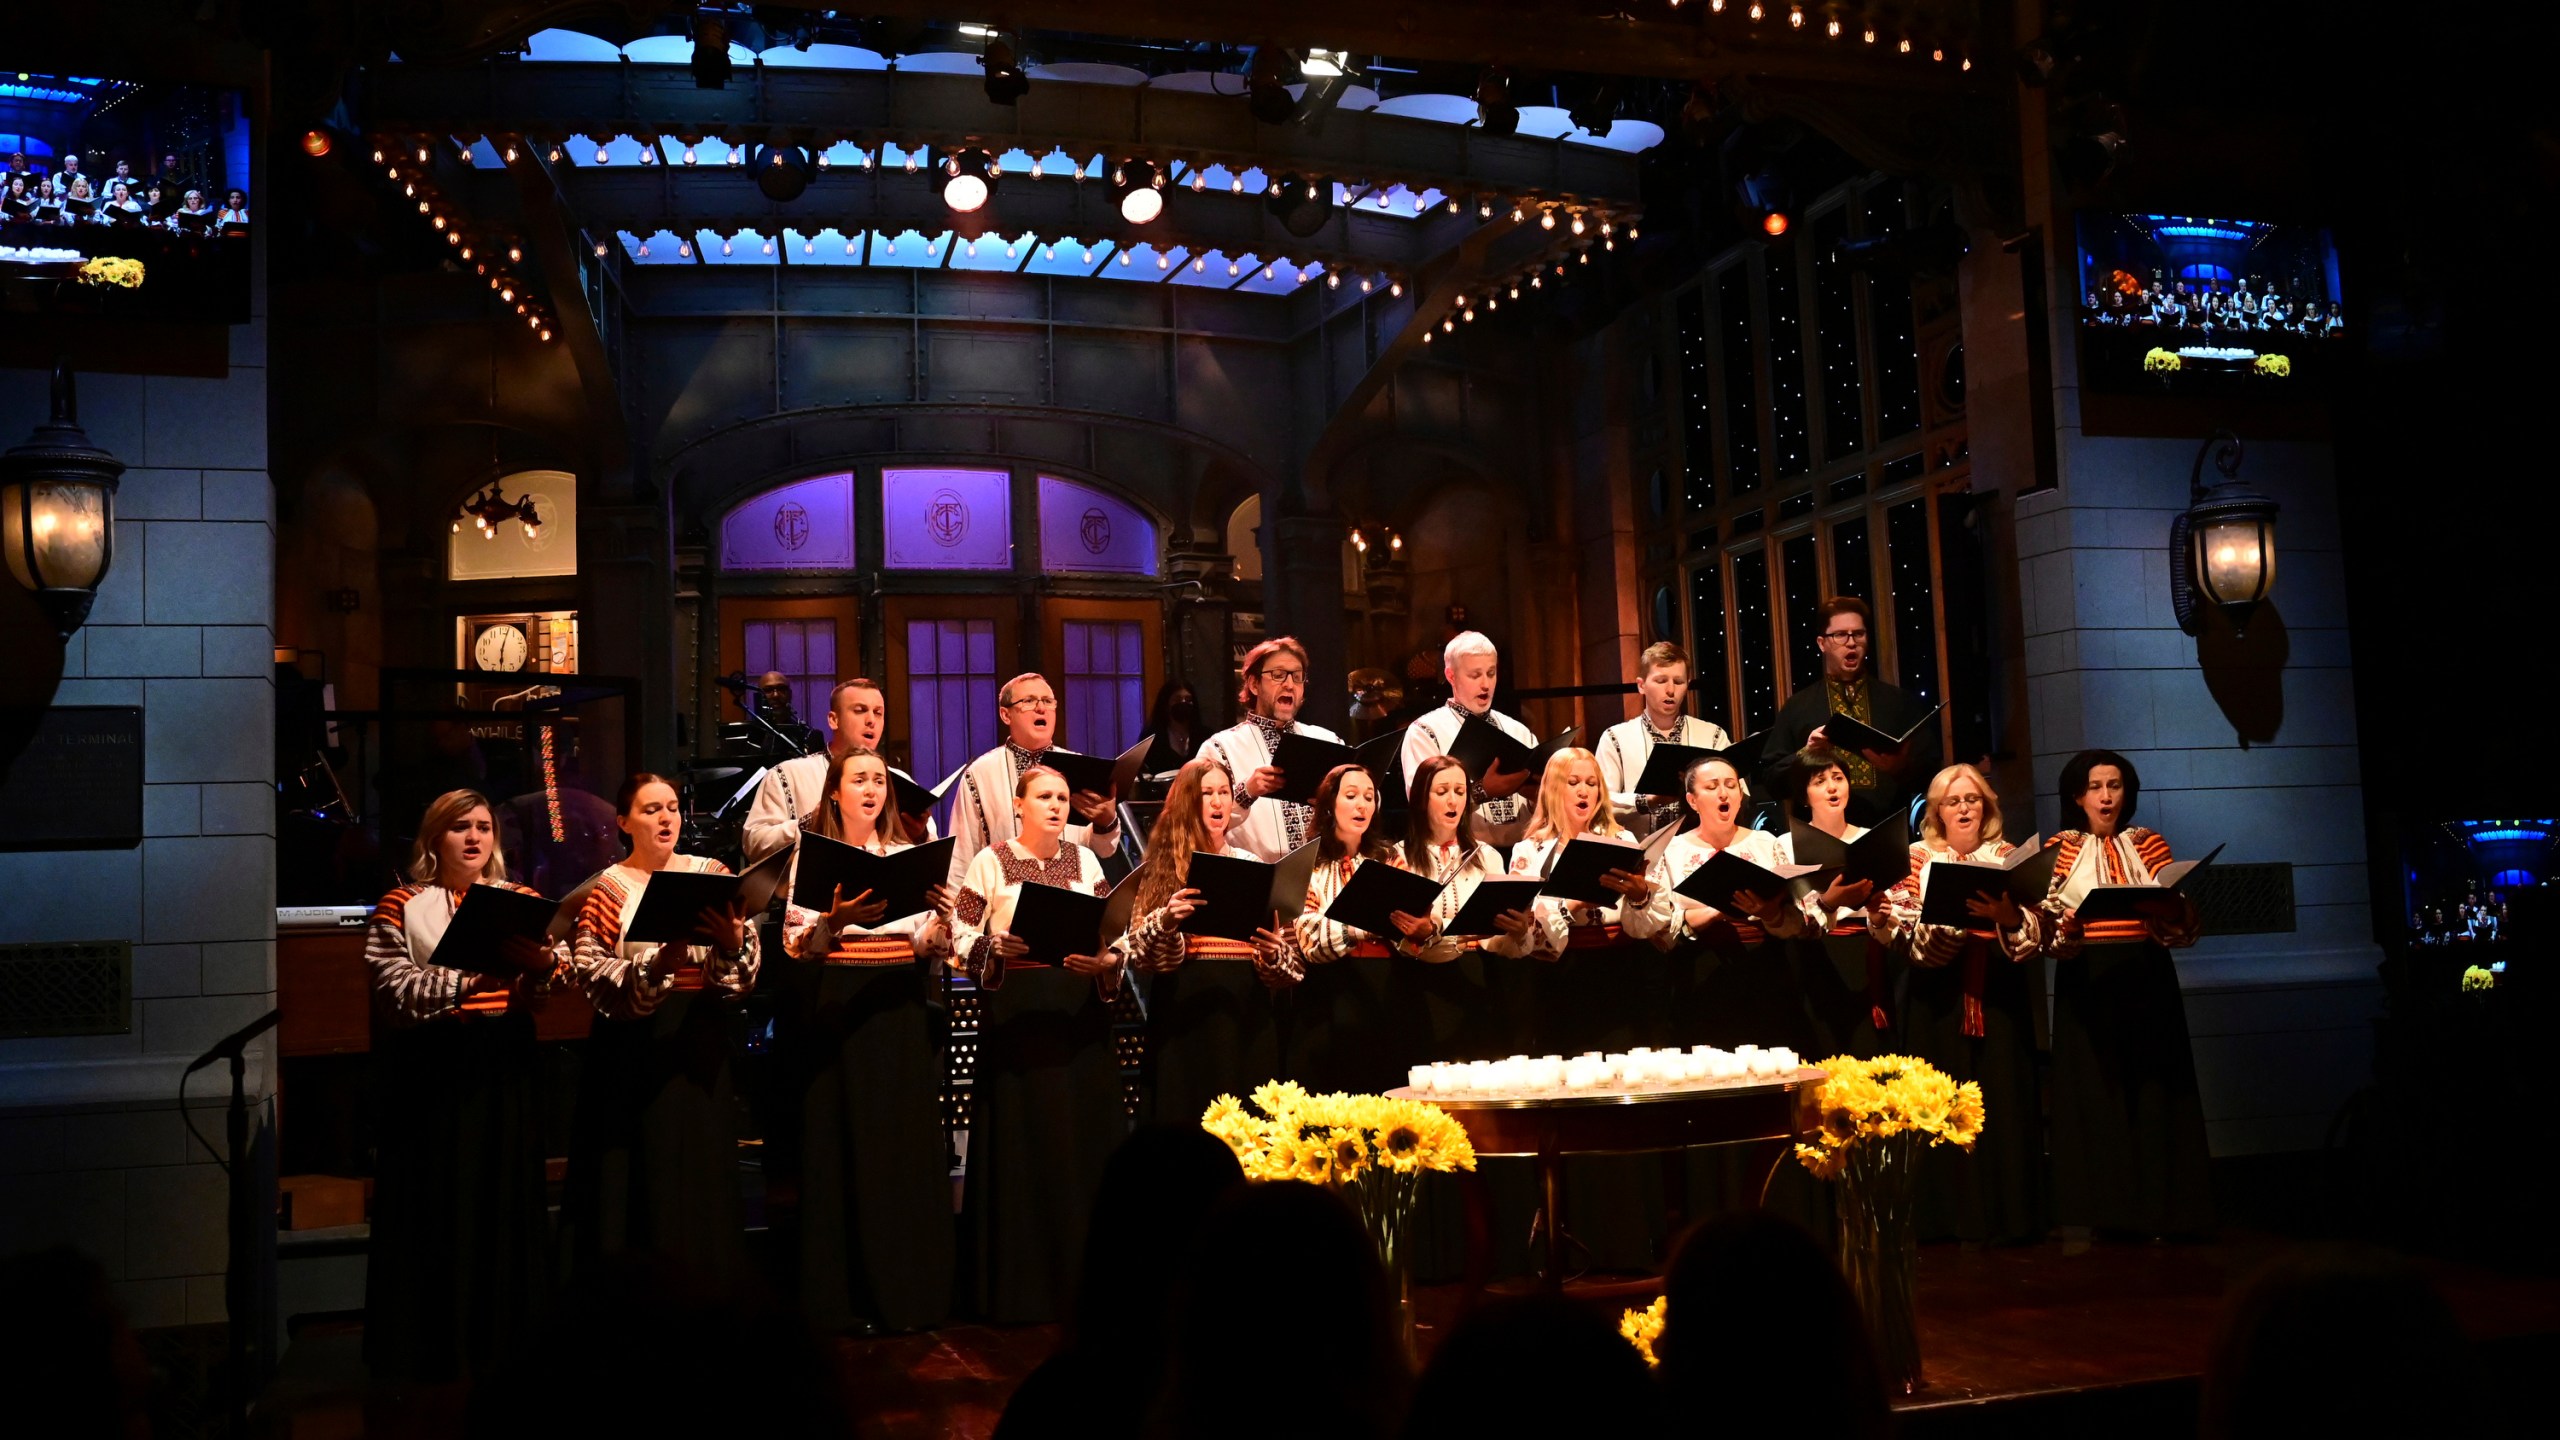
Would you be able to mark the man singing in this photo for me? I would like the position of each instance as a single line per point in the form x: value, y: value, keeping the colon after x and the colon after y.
x: 1662, y: 679
x: 983, y: 815
x: 857, y: 718
x: 1880, y: 781
x: 1275, y: 680
x: 1472, y: 669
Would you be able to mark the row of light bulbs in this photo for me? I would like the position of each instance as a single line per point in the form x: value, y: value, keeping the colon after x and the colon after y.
x: 1198, y: 264
x: 966, y: 187
x: 416, y: 185
x: 1463, y: 306
x: 1834, y: 27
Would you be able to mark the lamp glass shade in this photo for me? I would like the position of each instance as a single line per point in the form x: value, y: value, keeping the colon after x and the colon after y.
x: 1141, y: 205
x: 964, y: 192
x: 57, y: 536
x: 2235, y: 559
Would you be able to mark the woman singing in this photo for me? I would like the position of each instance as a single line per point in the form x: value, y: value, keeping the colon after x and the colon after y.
x: 1607, y: 993
x: 1444, y: 1001
x: 875, y: 1166
x: 1842, y: 967
x: 1729, y: 986
x: 1968, y: 1008
x: 1342, y: 1036
x: 2128, y: 1124
x: 653, y: 1164
x: 461, y: 1229
x: 1211, y: 1026
x: 1046, y: 1112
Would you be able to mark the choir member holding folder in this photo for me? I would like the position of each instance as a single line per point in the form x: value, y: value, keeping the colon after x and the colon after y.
x: 791, y: 792
x: 1625, y: 749
x: 1212, y: 1028
x: 1596, y: 898
x: 875, y: 1190
x: 2128, y: 1124
x: 1342, y: 1029
x: 1472, y: 668
x: 1840, y: 962
x: 1890, y: 738
x: 461, y: 1233
x: 1450, y: 1011
x: 983, y: 814
x: 1273, y: 816
x: 1046, y: 1112
x: 1969, y: 1009
x: 653, y: 1163
x: 1720, y: 897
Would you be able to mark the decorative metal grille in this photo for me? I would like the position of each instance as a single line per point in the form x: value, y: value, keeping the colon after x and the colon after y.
x: 2252, y: 899
x: 82, y: 987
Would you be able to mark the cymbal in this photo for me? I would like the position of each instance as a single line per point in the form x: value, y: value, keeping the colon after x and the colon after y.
x: 1374, y: 692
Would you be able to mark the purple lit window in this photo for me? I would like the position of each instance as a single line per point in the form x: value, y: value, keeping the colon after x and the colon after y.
x: 803, y: 526
x: 1106, y: 673
x: 804, y: 651
x: 951, y: 694
x: 1082, y: 528
x: 947, y: 519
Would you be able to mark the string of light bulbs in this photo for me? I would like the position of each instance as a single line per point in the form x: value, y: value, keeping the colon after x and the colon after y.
x: 410, y: 165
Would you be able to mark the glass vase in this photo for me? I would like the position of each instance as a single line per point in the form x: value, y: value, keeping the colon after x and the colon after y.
x: 1880, y: 1250
x: 1384, y: 1202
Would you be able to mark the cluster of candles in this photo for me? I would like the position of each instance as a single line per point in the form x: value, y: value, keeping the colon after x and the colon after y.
x: 36, y: 255
x: 1641, y: 1068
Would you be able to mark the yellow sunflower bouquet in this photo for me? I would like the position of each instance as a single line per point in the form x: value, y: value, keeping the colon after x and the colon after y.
x: 1889, y: 1096
x: 1372, y: 1150
x: 116, y: 270
x: 1641, y: 1328
x: 2163, y: 361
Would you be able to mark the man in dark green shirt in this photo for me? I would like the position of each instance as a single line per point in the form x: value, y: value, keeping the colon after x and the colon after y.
x: 1881, y: 781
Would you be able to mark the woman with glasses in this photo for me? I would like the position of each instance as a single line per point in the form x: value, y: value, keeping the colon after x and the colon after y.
x: 1880, y: 781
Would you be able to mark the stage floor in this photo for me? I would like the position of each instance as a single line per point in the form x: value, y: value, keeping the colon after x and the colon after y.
x: 2022, y: 1340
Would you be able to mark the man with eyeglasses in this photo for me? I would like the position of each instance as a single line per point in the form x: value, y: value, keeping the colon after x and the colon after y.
x: 983, y: 813
x: 1880, y: 781
x: 1275, y: 680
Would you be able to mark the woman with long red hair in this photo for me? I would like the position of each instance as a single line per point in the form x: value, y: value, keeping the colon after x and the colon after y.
x: 1212, y: 1028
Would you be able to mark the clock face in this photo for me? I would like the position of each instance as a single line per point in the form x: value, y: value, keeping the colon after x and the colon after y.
x: 500, y: 648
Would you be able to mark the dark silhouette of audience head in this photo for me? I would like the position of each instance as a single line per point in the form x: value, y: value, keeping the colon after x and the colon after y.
x: 1154, y: 1193
x: 1761, y: 1335
x: 638, y: 1348
x: 1284, y: 1280
x: 1535, y: 1365
x: 2333, y: 1341
x: 64, y: 1348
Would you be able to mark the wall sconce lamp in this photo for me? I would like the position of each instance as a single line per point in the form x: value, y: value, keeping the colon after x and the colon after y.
x: 2224, y: 548
x: 58, y: 510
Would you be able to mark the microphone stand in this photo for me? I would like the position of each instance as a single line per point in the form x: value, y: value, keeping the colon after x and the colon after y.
x: 240, y: 1260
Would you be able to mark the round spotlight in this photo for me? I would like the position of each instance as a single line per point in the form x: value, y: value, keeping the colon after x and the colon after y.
x: 315, y: 143
x: 1774, y: 223
x: 964, y: 192
x: 1141, y: 194
x: 969, y: 178
x: 1302, y: 206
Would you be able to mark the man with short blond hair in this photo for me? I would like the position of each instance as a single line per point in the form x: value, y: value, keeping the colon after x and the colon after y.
x: 1473, y: 669
x: 1662, y: 718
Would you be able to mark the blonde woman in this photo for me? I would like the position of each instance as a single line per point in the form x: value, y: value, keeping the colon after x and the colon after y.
x: 461, y: 1236
x: 1969, y: 1009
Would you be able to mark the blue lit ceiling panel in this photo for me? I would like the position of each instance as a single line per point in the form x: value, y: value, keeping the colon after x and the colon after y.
x: 662, y: 248
x: 1068, y: 257
x: 747, y: 247
x: 908, y: 249
x: 993, y: 252
x: 827, y: 247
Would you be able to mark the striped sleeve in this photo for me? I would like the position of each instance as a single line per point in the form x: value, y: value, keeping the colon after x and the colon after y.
x: 2188, y: 928
x: 621, y: 988
x: 405, y: 992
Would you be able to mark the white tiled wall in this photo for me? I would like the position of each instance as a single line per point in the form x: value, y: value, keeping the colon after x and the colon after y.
x: 93, y: 1149
x: 2282, y: 1023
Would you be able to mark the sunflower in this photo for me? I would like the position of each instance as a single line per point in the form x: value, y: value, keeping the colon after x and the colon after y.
x: 1350, y: 1153
x: 1641, y: 1328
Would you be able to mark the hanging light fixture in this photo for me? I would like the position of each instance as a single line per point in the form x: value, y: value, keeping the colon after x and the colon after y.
x: 2224, y: 548
x: 58, y: 510
x: 1140, y: 186
x: 489, y: 509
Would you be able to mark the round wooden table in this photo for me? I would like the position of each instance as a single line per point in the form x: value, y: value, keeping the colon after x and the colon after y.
x: 1768, y: 1115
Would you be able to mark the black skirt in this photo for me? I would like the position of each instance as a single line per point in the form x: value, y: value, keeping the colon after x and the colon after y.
x: 2129, y: 1150
x: 1996, y: 1193
x: 1531, y: 1005
x: 877, y: 1235
x: 1612, y: 997
x: 1343, y: 1032
x: 653, y: 1153
x: 1727, y: 993
x: 1615, y: 997
x: 1212, y: 1029
x: 1046, y: 1113
x: 1839, y: 1005
x: 1447, y: 1009
x: 460, y: 1258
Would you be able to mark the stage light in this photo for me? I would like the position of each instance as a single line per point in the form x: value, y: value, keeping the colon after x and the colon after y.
x: 511, y: 154
x: 648, y: 149
x: 782, y: 171
x: 1266, y: 272
x: 603, y: 156
x: 315, y: 143
x: 515, y: 254
x: 466, y: 252
x: 1795, y: 17
x: 1005, y: 82
x: 1302, y: 206
x: 1546, y: 219
x: 1163, y: 261
x: 1124, y: 259
x: 969, y: 178
x: 710, y: 63
x: 423, y: 157
x: 599, y: 249
x: 1365, y: 285
x: 1333, y: 280
x: 1577, y: 222
x: 849, y: 246
x: 977, y: 30
x: 506, y: 292
x: 554, y: 154
x: 2223, y: 549
x: 736, y: 157
x: 1323, y: 64
x: 689, y: 156
x: 1199, y: 266
x: 724, y: 247
x: 1140, y: 188
x: 1494, y: 110
x: 1266, y: 90
x: 1395, y: 288
x: 684, y: 249
x: 377, y: 155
